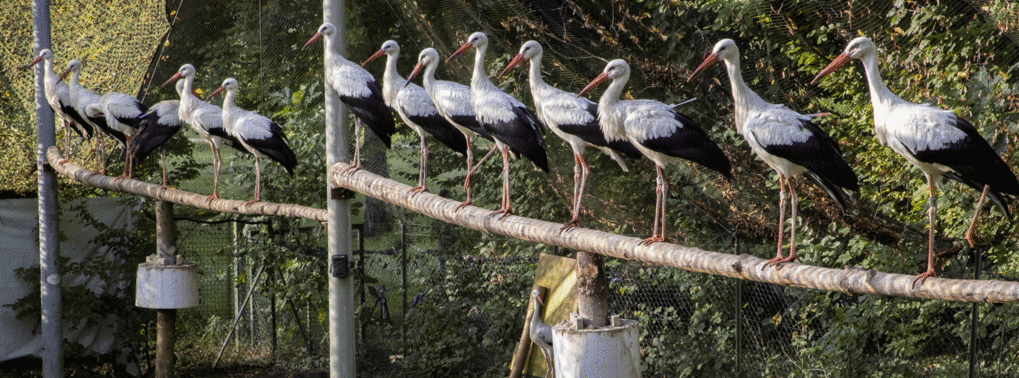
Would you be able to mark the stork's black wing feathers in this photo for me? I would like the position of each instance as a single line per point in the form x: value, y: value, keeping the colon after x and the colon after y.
x: 276, y: 148
x: 150, y: 136
x: 84, y: 129
x: 819, y: 154
x: 372, y: 110
x: 690, y: 142
x: 524, y: 135
x: 442, y: 130
x: 471, y: 122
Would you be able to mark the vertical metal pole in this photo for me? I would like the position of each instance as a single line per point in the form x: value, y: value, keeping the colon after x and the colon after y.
x: 739, y: 322
x: 166, y: 319
x: 403, y: 273
x: 49, y: 218
x: 974, y: 318
x: 341, y: 290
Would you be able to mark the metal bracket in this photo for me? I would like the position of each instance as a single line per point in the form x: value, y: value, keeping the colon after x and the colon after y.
x: 340, y: 266
x: 340, y: 193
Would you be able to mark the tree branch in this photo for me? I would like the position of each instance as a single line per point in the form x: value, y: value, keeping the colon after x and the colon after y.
x: 157, y: 192
x: 850, y: 281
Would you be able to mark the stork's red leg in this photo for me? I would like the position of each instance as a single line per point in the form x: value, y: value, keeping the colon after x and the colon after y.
x: 258, y: 181
x: 932, y: 213
x: 782, y: 183
x: 67, y: 142
x: 507, y: 207
x: 580, y: 172
x: 470, y: 173
x: 661, y: 188
x: 355, y: 164
x: 422, y: 170
x: 216, y: 162
x: 127, y: 158
x: 971, y: 234
x: 794, y: 201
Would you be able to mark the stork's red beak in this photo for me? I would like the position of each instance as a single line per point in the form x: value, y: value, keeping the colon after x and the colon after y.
x: 215, y: 92
x: 711, y: 59
x: 512, y: 64
x: 63, y: 75
x: 463, y: 48
x: 199, y: 95
x: 594, y: 83
x: 172, y: 79
x: 34, y: 62
x: 374, y: 56
x: 839, y: 61
x: 417, y: 70
x: 538, y: 298
x: 313, y: 39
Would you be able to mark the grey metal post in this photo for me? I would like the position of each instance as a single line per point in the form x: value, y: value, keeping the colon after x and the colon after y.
x: 166, y: 318
x: 341, y: 290
x: 49, y: 218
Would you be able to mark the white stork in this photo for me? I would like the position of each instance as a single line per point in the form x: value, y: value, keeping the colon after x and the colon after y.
x: 156, y: 127
x: 453, y: 102
x: 59, y: 97
x: 81, y: 98
x: 416, y: 109
x: 937, y: 141
x: 660, y: 133
x: 787, y: 141
x: 541, y: 333
x: 572, y: 118
x: 258, y: 134
x: 122, y: 112
x: 358, y: 90
x: 205, y: 119
x: 509, y: 122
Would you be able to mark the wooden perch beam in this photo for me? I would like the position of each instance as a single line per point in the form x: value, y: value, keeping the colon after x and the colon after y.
x: 157, y: 192
x: 850, y: 281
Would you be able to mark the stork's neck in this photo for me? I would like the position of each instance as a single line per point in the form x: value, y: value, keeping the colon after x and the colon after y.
x: 74, y: 78
x: 744, y: 98
x: 50, y: 74
x: 228, y: 110
x: 609, y: 120
x: 536, y: 315
x: 391, y: 80
x: 535, y: 75
x: 881, y: 97
x: 428, y: 77
x: 479, y: 77
x: 611, y: 96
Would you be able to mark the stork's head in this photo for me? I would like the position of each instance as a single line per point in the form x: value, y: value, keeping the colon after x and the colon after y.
x: 724, y: 50
x: 856, y: 49
x: 186, y: 70
x: 44, y: 54
x: 93, y: 111
x: 229, y: 85
x: 428, y: 57
x: 615, y: 70
x: 531, y: 50
x: 327, y: 29
x: 73, y: 66
x: 390, y: 48
x: 536, y: 294
x: 478, y: 39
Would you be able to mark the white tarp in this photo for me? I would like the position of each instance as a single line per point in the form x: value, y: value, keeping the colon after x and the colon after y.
x: 19, y: 248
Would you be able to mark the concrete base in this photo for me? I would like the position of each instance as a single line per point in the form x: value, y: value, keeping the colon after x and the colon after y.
x: 607, y: 352
x: 166, y: 286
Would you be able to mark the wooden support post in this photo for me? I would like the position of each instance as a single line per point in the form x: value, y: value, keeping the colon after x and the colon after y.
x: 592, y: 289
x: 166, y: 319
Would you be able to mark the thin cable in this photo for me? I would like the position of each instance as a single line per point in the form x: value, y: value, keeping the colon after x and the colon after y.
x: 161, y: 47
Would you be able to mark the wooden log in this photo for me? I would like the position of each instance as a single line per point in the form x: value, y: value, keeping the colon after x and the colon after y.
x: 850, y: 280
x: 157, y: 192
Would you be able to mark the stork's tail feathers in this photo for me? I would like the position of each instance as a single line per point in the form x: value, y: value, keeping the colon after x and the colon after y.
x: 993, y: 193
x: 834, y: 191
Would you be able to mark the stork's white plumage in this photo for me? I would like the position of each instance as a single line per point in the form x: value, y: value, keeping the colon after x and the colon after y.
x: 81, y: 98
x: 417, y: 110
x: 541, y: 333
x: 59, y: 97
x: 660, y: 133
x: 156, y: 127
x: 453, y: 102
x: 572, y: 118
x: 786, y: 140
x: 937, y: 141
x: 511, y: 124
x: 358, y: 90
x: 122, y: 112
x: 258, y: 134
x: 205, y: 119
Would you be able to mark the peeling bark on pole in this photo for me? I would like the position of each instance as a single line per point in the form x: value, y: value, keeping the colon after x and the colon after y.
x: 850, y: 281
x: 196, y: 200
x: 592, y: 289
